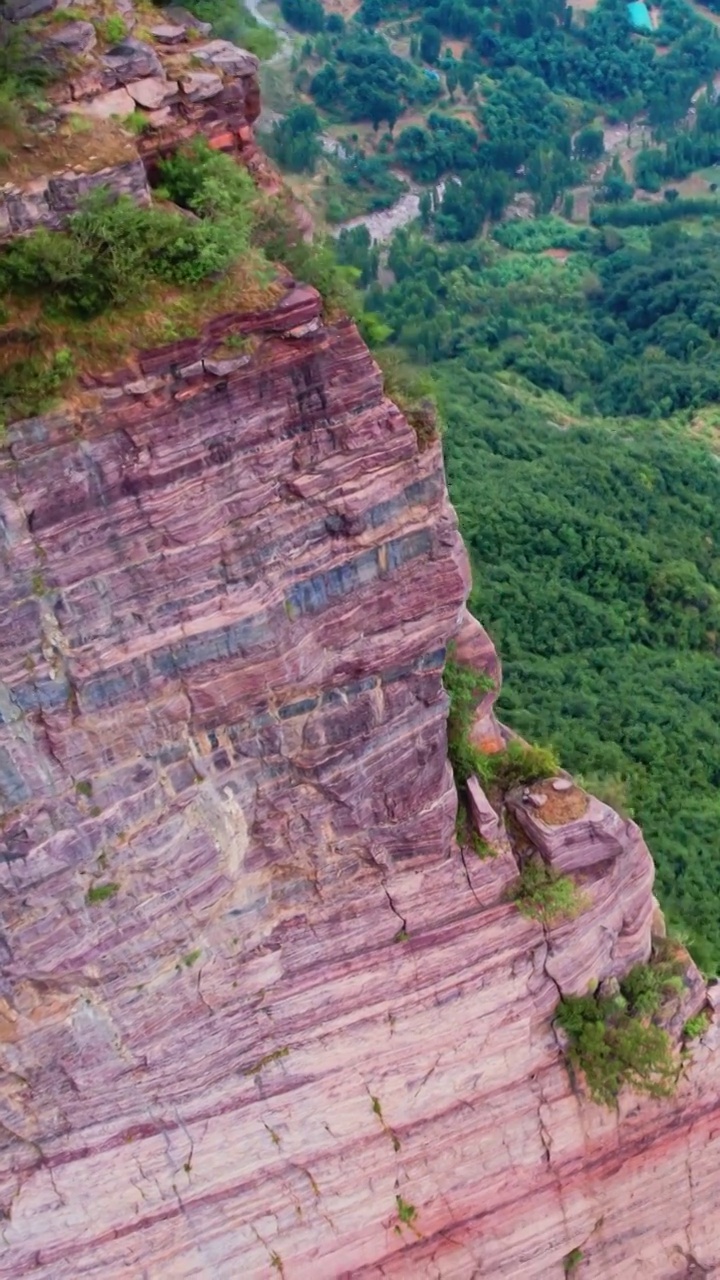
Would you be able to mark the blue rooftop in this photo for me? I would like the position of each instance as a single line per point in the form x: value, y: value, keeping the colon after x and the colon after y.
x: 639, y: 16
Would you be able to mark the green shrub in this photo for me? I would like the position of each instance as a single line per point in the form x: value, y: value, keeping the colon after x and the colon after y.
x: 101, y: 892
x: 696, y: 1026
x: 465, y: 688
x: 28, y: 386
x: 278, y: 234
x: 646, y: 985
x: 406, y: 1212
x: 137, y: 122
x: 23, y: 68
x: 112, y: 247
x: 543, y: 895
x: 519, y: 764
x: 571, y: 1262
x: 80, y: 124
x: 112, y: 29
x: 210, y: 183
x: 613, y: 1048
x: 467, y: 836
x: 12, y: 120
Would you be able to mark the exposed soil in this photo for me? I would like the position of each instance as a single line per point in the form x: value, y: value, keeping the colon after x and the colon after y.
x: 702, y: 12
x: 348, y: 8
x: 73, y: 145
x: 560, y: 806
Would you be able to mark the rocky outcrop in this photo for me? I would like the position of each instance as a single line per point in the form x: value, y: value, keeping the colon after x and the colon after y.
x: 613, y: 871
x: 255, y: 1001
x: 48, y: 201
x: 172, y: 93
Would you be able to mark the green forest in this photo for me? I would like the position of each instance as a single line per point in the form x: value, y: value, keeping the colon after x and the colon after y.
x: 571, y: 390
x: 507, y: 96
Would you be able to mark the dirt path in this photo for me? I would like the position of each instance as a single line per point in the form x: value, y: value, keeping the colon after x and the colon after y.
x: 702, y: 12
x: 284, y: 49
x: 383, y: 224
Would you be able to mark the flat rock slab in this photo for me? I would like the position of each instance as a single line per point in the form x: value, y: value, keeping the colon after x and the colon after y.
x: 198, y: 85
x: 75, y: 37
x: 19, y: 10
x: 152, y: 92
x: 167, y: 34
x: 228, y: 57
x: 116, y: 103
x: 133, y: 60
x: 92, y: 82
x: 188, y: 20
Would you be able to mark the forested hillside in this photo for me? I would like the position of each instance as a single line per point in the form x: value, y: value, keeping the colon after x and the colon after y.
x: 594, y: 535
x: 508, y: 97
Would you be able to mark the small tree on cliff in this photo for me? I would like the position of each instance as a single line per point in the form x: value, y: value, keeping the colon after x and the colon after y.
x: 612, y: 1048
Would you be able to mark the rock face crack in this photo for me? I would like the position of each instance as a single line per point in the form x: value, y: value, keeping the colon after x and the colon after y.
x: 256, y: 719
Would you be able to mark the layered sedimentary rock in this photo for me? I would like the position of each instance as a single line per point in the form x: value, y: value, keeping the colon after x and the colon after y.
x: 258, y: 1008
x: 259, y: 1013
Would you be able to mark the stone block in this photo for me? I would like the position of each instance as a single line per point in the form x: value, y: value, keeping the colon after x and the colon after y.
x: 132, y: 60
x: 165, y: 33
x: 228, y: 58
x: 152, y: 92
x: 116, y: 103
x: 76, y: 38
x: 199, y: 85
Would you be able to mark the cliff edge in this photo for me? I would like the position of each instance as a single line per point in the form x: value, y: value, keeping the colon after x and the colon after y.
x: 259, y: 1009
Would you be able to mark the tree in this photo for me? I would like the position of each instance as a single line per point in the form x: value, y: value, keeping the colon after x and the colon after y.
x: 589, y: 144
x: 295, y: 141
x: 451, y: 80
x: 615, y: 185
x: 466, y: 75
x: 430, y: 42
x: 305, y: 15
x: 370, y: 12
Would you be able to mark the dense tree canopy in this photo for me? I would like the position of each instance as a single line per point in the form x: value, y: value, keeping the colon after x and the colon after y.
x: 594, y: 538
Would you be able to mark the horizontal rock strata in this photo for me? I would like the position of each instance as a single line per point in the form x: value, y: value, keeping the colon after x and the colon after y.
x: 255, y: 1004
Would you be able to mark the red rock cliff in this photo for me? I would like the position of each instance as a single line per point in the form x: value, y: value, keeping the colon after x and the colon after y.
x: 259, y: 1013
x: 226, y: 600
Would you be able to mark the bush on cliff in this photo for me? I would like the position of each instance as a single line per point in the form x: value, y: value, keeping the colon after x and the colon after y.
x: 543, y: 895
x: 112, y: 248
x: 278, y: 233
x: 519, y: 763
x: 647, y: 985
x: 615, y: 1045
x: 413, y: 391
x: 209, y: 183
x: 465, y: 687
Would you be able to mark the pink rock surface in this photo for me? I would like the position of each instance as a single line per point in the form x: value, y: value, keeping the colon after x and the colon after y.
x: 612, y: 868
x: 152, y: 92
x: 225, y: 601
